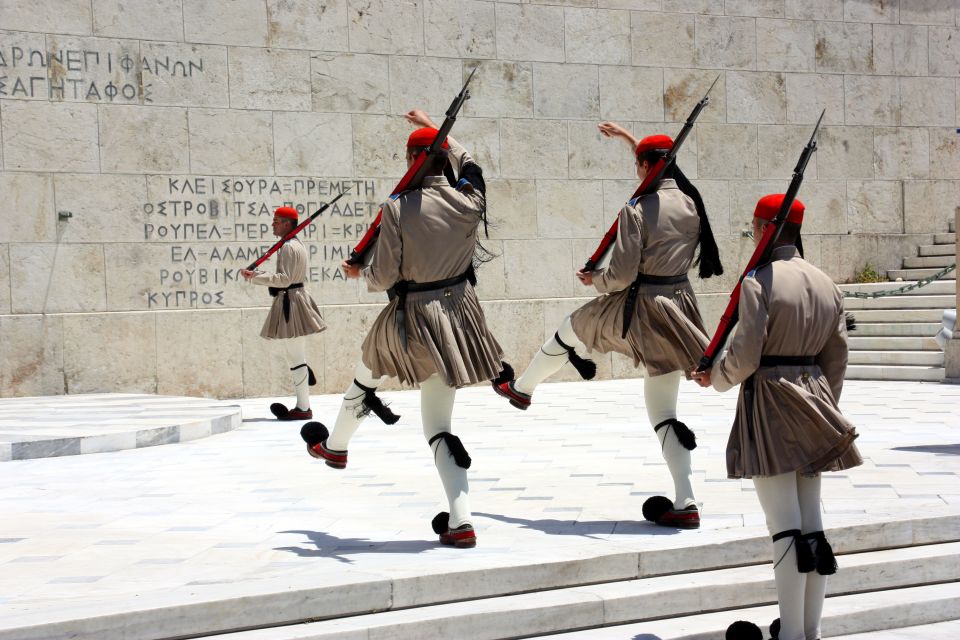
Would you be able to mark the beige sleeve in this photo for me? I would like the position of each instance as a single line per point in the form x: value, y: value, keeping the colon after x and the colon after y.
x: 384, y: 269
x: 743, y: 355
x: 458, y: 155
x: 287, y: 257
x: 625, y: 253
x: 832, y: 359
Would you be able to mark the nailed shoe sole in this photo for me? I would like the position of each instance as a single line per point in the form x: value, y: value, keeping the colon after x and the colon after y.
x: 513, y: 401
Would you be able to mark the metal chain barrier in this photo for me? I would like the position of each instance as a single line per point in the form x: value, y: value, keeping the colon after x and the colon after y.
x: 909, y: 287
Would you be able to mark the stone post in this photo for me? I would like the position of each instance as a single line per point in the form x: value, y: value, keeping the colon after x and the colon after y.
x: 952, y: 348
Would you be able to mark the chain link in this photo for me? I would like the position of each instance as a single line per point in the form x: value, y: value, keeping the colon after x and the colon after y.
x: 909, y: 287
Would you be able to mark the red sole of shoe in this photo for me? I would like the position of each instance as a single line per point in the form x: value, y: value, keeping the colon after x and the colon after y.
x: 513, y: 402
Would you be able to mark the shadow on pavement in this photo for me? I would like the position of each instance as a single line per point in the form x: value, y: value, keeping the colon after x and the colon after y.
x: 329, y: 546
x: 939, y: 449
x: 591, y: 529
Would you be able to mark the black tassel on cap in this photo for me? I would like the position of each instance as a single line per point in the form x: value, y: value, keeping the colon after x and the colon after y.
x: 373, y: 404
x: 440, y: 523
x: 586, y: 368
x: 455, y: 447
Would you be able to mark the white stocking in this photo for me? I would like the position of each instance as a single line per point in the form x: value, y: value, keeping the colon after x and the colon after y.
x: 808, y: 489
x: 436, y: 410
x: 550, y: 358
x: 781, y: 506
x: 660, y: 397
x: 296, y: 354
x: 347, y: 420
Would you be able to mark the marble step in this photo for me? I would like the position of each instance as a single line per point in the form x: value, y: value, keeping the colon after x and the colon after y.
x: 926, y: 262
x: 207, y: 609
x: 894, y: 372
x: 622, y: 602
x: 917, y: 274
x: 938, y: 250
x: 887, y: 343
x: 887, y: 358
x: 945, y: 238
x: 898, y: 315
x: 901, y: 302
x: 930, y: 611
x: 937, y: 287
x: 895, y: 329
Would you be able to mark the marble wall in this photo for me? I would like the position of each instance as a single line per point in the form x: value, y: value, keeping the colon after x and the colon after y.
x: 144, y: 144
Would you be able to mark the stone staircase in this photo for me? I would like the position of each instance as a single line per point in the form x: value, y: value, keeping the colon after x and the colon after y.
x: 893, y: 574
x: 894, y: 335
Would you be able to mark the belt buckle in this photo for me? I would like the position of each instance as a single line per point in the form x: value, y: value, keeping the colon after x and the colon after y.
x: 447, y: 293
x: 805, y: 376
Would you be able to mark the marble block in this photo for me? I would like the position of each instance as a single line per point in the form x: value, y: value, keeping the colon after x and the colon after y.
x: 347, y: 326
x: 826, y: 204
x: 386, y: 26
x: 755, y: 8
x: 379, y: 145
x: 95, y: 201
x: 928, y: 102
x: 512, y: 208
x: 135, y: 139
x: 417, y: 82
x: 941, y: 12
x: 726, y: 43
x: 661, y: 39
x: 569, y: 208
x: 194, y: 344
x: 756, y: 97
x: 683, y: 88
x: 231, y: 142
x: 728, y: 151
x: 269, y: 79
x: 785, y: 45
x: 33, y: 356
x: 460, y: 28
x: 46, y: 136
x: 929, y: 205
x: 780, y: 147
x: 810, y: 93
x: 566, y: 91
x: 597, y: 36
x: 533, y: 149
x: 530, y: 32
x: 631, y: 93
x: 160, y: 20
x: 842, y: 47
x: 237, y: 22
x: 875, y: 206
x: 944, y: 153
x: 594, y: 156
x: 872, y: 11
x: 60, y: 16
x: 518, y: 327
x: 501, y: 88
x: 313, y: 144
x: 27, y: 214
x: 5, y: 293
x: 901, y: 152
x: 481, y: 138
x: 199, y: 80
x: 307, y: 25
x: 539, y: 271
x: 845, y: 152
x: 900, y: 50
x: 871, y: 100
x: 107, y: 352
x: 814, y: 9
x: 52, y: 278
x: 350, y: 82
x: 694, y: 6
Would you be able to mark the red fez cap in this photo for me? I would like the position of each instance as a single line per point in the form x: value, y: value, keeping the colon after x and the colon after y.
x: 769, y: 206
x: 424, y: 138
x: 658, y: 141
x: 286, y: 212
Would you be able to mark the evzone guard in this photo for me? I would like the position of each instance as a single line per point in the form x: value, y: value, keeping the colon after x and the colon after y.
x: 293, y: 315
x: 656, y: 245
x: 433, y: 332
x: 789, y: 356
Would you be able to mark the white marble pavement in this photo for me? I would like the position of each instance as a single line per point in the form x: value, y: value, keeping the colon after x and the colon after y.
x: 51, y: 426
x: 248, y: 512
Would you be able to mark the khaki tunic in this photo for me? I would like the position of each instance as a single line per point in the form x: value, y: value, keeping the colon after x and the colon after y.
x: 794, y: 423
x: 305, y: 316
x: 657, y: 235
x: 430, y: 234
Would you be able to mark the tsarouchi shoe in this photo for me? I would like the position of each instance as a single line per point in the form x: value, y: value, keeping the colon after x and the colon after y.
x: 281, y: 412
x: 315, y: 435
x: 688, y: 518
x: 517, y: 398
x: 463, y: 537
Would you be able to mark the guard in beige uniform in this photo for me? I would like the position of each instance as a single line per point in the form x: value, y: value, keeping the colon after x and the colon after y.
x: 789, y: 356
x: 433, y: 332
x: 656, y: 245
x: 293, y: 315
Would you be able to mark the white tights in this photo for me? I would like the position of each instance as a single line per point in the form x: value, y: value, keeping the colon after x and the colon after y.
x: 792, y: 501
x: 436, y: 410
x: 295, y: 353
x: 660, y: 396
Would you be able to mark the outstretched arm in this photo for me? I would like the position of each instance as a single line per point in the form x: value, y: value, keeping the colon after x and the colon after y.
x: 613, y: 130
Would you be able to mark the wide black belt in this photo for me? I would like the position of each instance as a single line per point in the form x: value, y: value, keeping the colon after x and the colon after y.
x: 275, y: 291
x: 630, y: 303
x: 404, y: 287
x: 787, y: 361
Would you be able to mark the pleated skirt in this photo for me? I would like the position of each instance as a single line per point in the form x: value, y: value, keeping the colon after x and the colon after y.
x: 305, y: 318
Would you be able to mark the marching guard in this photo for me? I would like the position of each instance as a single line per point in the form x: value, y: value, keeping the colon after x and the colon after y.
x: 656, y: 245
x: 433, y: 332
x: 789, y: 356
x: 293, y: 315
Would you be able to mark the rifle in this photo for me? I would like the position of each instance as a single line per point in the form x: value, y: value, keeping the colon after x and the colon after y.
x: 653, y: 177
x: 761, y: 255
x: 414, y: 175
x: 279, y: 243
